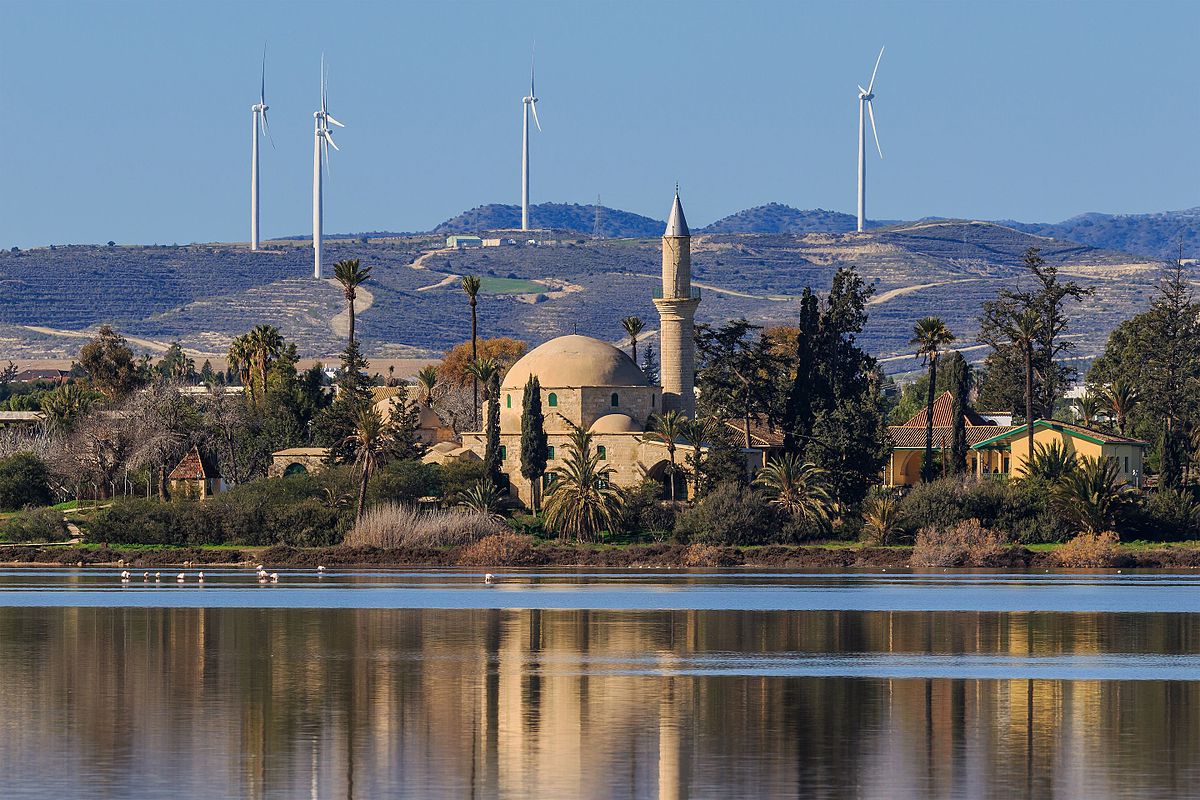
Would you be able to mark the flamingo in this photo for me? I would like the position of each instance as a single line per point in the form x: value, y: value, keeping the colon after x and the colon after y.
x: 157, y: 577
x: 200, y: 577
x: 489, y: 578
x: 180, y: 578
x: 125, y: 575
x: 145, y: 577
x: 321, y: 568
x: 274, y: 577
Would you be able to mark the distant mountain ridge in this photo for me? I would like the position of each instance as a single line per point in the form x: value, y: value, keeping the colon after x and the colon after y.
x: 1155, y: 235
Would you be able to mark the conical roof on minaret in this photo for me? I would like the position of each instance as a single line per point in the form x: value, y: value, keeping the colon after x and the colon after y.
x: 676, y: 223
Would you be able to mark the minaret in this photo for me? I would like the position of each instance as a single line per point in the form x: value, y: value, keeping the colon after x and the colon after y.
x: 676, y: 312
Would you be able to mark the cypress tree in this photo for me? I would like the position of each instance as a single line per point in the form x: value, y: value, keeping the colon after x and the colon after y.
x: 534, y: 450
x: 959, y: 374
x: 799, y: 412
x: 491, y: 451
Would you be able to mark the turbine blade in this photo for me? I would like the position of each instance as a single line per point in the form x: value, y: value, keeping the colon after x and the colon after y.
x: 871, y: 112
x: 267, y: 129
x: 861, y: 90
x: 334, y: 121
x: 871, y: 85
x: 329, y: 139
x: 262, y: 91
x: 533, y: 105
x: 324, y: 78
x: 532, y: 93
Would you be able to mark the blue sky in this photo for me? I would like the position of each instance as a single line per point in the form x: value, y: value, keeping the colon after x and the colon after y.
x: 131, y: 121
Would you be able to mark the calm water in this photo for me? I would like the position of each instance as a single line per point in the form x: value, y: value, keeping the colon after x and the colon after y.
x: 632, y: 684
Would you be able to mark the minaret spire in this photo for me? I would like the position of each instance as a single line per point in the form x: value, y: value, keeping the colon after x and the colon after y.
x: 677, y: 311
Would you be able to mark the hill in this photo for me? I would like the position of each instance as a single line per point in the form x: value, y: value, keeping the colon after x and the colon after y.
x: 608, y: 223
x: 1152, y: 235
x: 778, y: 218
x: 203, y: 295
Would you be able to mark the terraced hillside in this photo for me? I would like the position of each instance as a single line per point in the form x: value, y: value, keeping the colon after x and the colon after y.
x: 203, y: 295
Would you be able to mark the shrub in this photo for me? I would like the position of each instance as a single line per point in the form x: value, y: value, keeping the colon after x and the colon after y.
x: 1167, y: 514
x: 505, y: 549
x: 705, y: 555
x: 459, y: 476
x: 392, y: 525
x: 405, y: 481
x: 966, y: 544
x: 37, y: 525
x: 645, y: 513
x: 882, y: 519
x: 147, y: 521
x: 24, y: 482
x: 1020, y: 509
x: 1089, y: 550
x: 732, y: 515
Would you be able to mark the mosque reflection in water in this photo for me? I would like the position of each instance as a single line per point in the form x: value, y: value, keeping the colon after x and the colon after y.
x: 428, y: 703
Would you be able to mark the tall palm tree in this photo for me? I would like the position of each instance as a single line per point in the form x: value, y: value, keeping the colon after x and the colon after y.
x: 483, y: 370
x: 1121, y: 397
x: 1092, y: 495
x: 265, y: 344
x: 241, y: 359
x: 350, y: 274
x: 470, y: 286
x: 371, y: 442
x: 633, y: 328
x: 427, y: 381
x: 667, y: 429
x: 583, y: 500
x: 1024, y: 330
x: 1087, y: 408
x: 798, y: 488
x: 930, y: 336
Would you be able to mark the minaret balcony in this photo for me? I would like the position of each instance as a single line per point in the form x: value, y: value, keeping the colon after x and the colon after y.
x: 658, y: 294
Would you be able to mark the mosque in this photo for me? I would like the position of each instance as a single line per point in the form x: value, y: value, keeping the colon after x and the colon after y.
x: 593, y: 385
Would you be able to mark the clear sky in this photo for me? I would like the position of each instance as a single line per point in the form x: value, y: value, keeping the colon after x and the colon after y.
x: 131, y: 120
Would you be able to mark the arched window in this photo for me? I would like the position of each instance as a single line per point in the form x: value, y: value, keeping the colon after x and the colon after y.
x: 550, y: 453
x: 503, y: 452
x: 615, y: 400
x: 602, y: 452
x: 508, y: 401
x: 552, y: 400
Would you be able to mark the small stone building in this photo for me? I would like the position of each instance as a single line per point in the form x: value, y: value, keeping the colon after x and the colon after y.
x: 195, y: 477
x: 298, y: 461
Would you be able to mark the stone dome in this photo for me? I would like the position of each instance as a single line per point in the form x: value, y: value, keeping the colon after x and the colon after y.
x: 574, y: 361
x: 616, y: 423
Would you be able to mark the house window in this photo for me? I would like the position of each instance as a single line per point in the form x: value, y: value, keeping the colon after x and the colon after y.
x: 615, y: 400
x: 503, y: 452
x: 508, y: 401
x: 548, y: 479
x: 550, y: 453
x: 552, y: 400
x: 602, y: 452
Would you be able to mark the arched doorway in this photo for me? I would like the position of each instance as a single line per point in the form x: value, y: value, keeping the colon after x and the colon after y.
x: 295, y: 469
x: 661, y: 472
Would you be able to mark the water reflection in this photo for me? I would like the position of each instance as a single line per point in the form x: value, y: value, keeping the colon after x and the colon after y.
x: 145, y: 702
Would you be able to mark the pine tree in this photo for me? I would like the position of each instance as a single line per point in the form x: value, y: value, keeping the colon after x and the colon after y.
x: 534, y: 448
x: 650, y: 363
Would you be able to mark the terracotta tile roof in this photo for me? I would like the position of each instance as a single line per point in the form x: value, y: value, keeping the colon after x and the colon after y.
x: 761, y: 434
x: 943, y: 408
x: 381, y: 393
x: 907, y: 437
x: 191, y: 468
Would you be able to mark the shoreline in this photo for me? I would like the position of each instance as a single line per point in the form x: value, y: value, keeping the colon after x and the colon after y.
x: 551, y: 554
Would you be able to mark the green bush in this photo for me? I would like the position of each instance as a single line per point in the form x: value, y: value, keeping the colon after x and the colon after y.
x: 24, y: 482
x: 36, y: 525
x: 644, y: 513
x: 730, y: 515
x: 405, y: 481
x: 1018, y: 509
x: 459, y: 477
x: 147, y: 521
x: 1168, y: 514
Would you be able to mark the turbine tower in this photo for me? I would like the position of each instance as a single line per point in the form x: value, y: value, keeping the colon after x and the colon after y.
x: 259, y: 122
x: 866, y: 109
x: 322, y: 141
x: 530, y: 104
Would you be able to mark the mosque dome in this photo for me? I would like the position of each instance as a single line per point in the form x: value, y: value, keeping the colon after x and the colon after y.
x: 616, y: 423
x: 575, y: 361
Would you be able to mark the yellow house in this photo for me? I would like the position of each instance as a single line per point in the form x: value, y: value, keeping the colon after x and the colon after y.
x: 908, y: 442
x: 1006, y: 452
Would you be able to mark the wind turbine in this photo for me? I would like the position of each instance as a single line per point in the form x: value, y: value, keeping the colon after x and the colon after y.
x: 530, y: 104
x: 259, y: 122
x: 866, y: 109
x: 322, y: 141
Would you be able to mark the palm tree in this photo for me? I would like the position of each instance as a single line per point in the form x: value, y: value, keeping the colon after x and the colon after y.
x: 667, y: 429
x: 483, y: 498
x: 930, y: 335
x: 427, y: 381
x: 582, y: 501
x: 1087, y: 409
x: 350, y: 275
x: 1024, y: 330
x: 883, y: 517
x: 697, y: 432
x: 1092, y: 495
x: 1121, y: 397
x: 241, y: 359
x: 470, y: 285
x: 483, y: 370
x: 633, y: 328
x: 798, y: 488
x: 63, y: 406
x: 265, y: 344
x: 371, y: 442
x: 1051, y: 463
